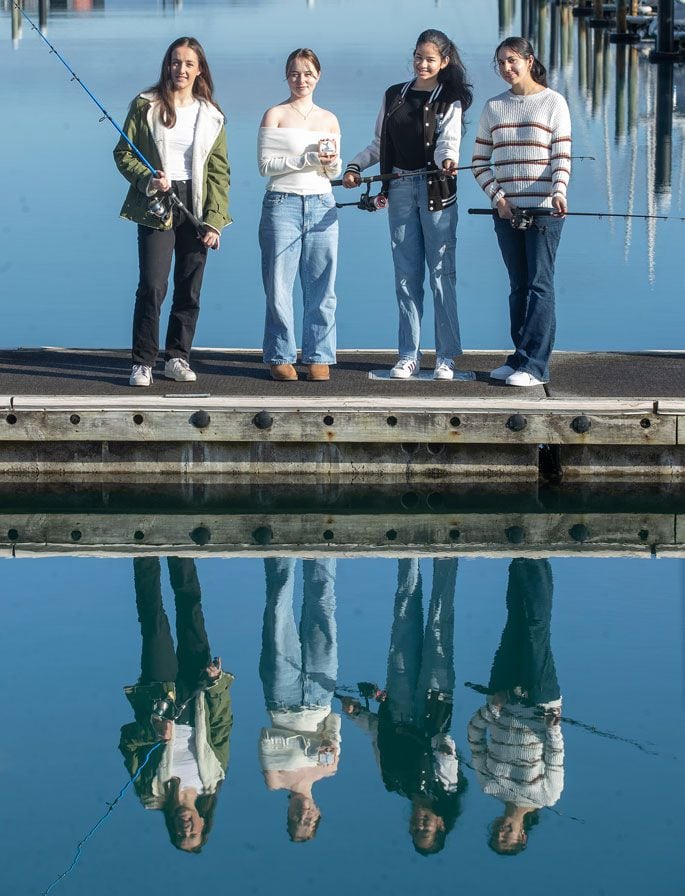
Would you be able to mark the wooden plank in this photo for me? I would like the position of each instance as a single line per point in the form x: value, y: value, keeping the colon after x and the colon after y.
x: 278, y: 460
x: 487, y: 531
x: 256, y: 552
x: 333, y: 425
x: 201, y: 401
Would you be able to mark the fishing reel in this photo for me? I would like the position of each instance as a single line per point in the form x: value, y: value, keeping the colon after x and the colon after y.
x: 160, y: 205
x: 367, y: 202
x: 165, y: 709
x: 523, y: 219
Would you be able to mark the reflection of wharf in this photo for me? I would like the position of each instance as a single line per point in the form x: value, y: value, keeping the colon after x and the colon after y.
x: 605, y: 415
x: 232, y: 519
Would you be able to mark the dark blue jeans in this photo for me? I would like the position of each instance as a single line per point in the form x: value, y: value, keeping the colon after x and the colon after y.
x: 529, y: 256
x: 524, y: 658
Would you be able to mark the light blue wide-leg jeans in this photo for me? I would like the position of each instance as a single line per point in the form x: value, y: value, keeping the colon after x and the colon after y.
x: 299, y: 234
x: 299, y: 668
x: 419, y: 239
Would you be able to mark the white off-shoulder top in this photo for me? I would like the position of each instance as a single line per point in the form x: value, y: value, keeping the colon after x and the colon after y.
x: 289, y: 158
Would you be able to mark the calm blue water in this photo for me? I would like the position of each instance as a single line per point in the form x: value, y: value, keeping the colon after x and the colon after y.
x: 70, y: 638
x: 70, y: 641
x: 69, y: 265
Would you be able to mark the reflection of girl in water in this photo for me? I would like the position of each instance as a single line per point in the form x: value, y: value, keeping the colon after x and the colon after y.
x: 298, y: 668
x: 416, y: 754
x: 516, y: 740
x: 184, y: 776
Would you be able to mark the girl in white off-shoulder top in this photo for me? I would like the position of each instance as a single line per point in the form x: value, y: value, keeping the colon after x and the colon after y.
x: 298, y: 150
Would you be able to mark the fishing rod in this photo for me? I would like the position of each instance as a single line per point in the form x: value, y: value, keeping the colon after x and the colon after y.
x: 368, y: 203
x: 158, y: 202
x: 591, y: 729
x: 524, y: 218
x: 110, y: 808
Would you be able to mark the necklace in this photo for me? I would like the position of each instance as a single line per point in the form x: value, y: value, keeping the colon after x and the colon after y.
x: 304, y: 115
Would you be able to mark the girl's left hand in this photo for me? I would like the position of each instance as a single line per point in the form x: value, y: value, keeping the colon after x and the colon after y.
x: 210, y: 238
x: 559, y: 205
x: 449, y: 167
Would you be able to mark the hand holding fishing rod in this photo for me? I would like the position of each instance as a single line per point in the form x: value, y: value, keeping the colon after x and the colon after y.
x: 161, y: 206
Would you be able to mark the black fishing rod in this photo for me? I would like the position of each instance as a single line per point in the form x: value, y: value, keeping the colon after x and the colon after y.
x: 157, y: 202
x: 591, y: 729
x: 523, y: 218
x: 368, y: 203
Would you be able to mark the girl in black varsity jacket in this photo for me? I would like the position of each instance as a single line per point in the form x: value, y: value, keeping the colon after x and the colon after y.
x: 418, y: 132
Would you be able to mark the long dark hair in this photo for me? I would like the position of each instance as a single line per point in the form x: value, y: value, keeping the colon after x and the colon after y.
x: 203, y: 88
x: 205, y: 805
x: 454, y: 73
x: 524, y: 49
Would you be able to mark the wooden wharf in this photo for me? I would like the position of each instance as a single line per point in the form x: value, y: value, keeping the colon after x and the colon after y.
x: 70, y: 415
x: 229, y: 518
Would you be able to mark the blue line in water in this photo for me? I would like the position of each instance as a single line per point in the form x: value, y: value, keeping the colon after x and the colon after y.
x: 91, y: 832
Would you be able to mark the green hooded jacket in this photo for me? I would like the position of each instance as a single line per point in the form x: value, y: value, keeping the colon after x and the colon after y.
x: 213, y: 720
x: 144, y: 128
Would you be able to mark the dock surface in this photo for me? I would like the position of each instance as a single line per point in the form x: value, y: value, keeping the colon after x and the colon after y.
x: 603, y: 414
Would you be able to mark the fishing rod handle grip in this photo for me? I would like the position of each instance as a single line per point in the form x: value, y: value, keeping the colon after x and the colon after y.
x: 481, y: 211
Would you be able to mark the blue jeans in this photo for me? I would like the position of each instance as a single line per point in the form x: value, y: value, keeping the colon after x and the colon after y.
x: 420, y: 660
x: 524, y: 658
x: 299, y: 668
x: 299, y: 233
x: 529, y: 256
x: 421, y: 238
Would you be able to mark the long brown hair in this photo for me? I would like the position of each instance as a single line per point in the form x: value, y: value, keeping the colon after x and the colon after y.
x: 203, y: 88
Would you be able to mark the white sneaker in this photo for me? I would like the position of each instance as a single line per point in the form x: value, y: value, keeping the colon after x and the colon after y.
x: 522, y: 378
x: 501, y: 373
x: 140, y: 375
x: 178, y: 369
x: 405, y: 368
x: 444, y: 369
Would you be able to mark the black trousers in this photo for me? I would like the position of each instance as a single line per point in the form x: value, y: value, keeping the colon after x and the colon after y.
x: 159, y: 661
x: 155, y: 251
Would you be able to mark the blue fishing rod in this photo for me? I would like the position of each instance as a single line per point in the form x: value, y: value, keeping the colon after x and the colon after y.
x: 157, y: 206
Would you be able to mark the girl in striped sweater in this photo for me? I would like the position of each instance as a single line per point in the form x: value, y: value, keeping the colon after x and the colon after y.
x: 524, y: 145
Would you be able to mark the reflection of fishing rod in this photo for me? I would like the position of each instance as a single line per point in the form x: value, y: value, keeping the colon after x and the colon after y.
x: 523, y: 218
x: 158, y: 202
x: 100, y: 821
x: 481, y: 689
x: 368, y: 203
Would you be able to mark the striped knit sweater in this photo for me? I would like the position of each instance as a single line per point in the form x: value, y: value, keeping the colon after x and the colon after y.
x: 518, y: 758
x: 524, y: 143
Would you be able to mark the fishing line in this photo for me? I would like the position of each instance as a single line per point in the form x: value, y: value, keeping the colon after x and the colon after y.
x: 173, y: 198
x: 100, y: 821
x: 395, y: 175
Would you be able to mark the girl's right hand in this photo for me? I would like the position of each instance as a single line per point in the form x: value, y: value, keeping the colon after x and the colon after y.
x: 504, y: 209
x: 351, y: 179
x: 159, y: 183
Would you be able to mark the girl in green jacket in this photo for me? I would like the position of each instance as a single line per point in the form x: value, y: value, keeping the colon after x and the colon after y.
x: 178, y: 126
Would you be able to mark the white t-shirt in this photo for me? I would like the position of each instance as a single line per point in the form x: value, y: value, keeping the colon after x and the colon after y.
x: 179, y: 143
